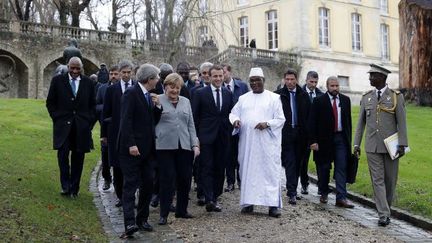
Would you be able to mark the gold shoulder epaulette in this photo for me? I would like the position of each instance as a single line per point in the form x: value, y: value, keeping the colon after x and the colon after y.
x: 367, y: 92
x: 395, y: 91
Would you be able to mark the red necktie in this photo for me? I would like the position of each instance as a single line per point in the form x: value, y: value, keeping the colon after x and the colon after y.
x: 335, y: 114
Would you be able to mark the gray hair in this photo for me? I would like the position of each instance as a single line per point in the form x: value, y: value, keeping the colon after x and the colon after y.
x: 125, y: 64
x: 331, y: 78
x: 205, y: 65
x: 145, y: 72
x: 75, y: 60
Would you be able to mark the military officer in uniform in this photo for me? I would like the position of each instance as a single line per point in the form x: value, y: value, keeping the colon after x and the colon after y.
x: 382, y: 112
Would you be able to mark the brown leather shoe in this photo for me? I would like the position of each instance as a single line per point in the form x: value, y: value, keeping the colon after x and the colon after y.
x: 343, y: 204
x: 323, y: 198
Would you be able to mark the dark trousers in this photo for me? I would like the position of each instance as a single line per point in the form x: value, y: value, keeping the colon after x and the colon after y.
x: 304, y: 177
x: 232, y: 168
x: 175, y: 170
x: 213, y: 158
x: 291, y: 160
x: 340, y: 151
x: 197, y: 177
x: 137, y: 173
x: 70, y: 176
x: 106, y: 173
x: 118, y: 181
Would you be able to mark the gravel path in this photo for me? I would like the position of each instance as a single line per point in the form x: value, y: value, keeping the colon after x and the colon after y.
x: 305, y: 222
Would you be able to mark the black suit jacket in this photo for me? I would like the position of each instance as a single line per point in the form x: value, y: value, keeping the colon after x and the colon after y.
x: 318, y: 92
x: 137, y: 124
x: 321, y: 125
x: 210, y: 122
x: 111, y: 119
x: 66, y: 110
x: 303, y: 106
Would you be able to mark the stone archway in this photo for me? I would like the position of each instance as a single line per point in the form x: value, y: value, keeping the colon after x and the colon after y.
x: 89, y: 68
x: 13, y: 76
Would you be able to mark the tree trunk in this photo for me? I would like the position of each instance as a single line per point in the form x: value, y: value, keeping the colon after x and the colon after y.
x: 76, y: 9
x: 148, y: 12
x: 415, y: 60
x: 114, y: 16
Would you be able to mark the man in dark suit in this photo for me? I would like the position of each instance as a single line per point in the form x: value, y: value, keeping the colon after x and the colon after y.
x: 183, y: 69
x: 311, y: 89
x: 296, y: 105
x: 111, y: 123
x: 329, y: 130
x: 211, y: 106
x: 71, y: 104
x: 140, y: 111
x: 113, y: 77
x: 237, y: 88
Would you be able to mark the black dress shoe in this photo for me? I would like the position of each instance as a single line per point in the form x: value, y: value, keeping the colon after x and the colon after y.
x: 64, y: 193
x: 248, y: 209
x: 184, y: 216
x: 172, y: 208
x: 229, y: 188
x: 304, y: 190
x: 118, y: 203
x: 274, y: 212
x: 298, y: 197
x: 131, y: 229
x: 383, y: 222
x: 213, y: 207
x: 107, y: 185
x: 145, y: 227
x: 201, y: 201
x: 323, y: 198
x: 154, y: 201
x: 292, y: 200
x: 162, y: 221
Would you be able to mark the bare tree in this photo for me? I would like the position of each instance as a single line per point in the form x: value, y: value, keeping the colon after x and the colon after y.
x: 75, y: 9
x: 21, y: 9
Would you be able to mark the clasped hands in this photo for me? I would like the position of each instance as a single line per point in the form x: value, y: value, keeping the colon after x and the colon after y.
x: 260, y: 126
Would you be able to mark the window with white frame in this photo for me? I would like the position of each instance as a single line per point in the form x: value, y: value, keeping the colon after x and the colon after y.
x: 385, y: 47
x: 272, y: 29
x: 202, y: 34
x: 244, y: 31
x: 324, y: 34
x: 343, y: 82
x: 356, y: 32
x: 202, y: 5
x: 384, y: 6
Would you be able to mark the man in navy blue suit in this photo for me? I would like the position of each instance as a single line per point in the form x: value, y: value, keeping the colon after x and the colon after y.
x: 71, y: 105
x: 237, y: 88
x: 140, y: 111
x: 310, y: 87
x: 211, y: 106
x: 111, y: 123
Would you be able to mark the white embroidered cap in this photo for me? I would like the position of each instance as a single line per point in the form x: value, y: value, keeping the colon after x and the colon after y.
x: 256, y: 72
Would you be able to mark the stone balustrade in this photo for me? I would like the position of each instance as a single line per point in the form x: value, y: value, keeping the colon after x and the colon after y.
x: 243, y: 52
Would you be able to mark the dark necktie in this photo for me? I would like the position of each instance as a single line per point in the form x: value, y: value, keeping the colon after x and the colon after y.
x: 335, y: 114
x: 218, y: 100
x: 148, y: 98
x: 73, y: 86
x: 379, y: 94
x: 311, y: 95
x: 229, y: 87
x: 293, y: 109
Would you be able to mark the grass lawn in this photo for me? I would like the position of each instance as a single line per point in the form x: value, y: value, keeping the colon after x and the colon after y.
x: 414, y: 187
x: 31, y: 208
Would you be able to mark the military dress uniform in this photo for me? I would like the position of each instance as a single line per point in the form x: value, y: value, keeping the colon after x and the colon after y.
x: 382, y: 118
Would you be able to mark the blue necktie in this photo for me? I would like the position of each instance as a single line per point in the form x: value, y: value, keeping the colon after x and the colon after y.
x: 293, y: 109
x: 148, y: 98
x: 73, y: 86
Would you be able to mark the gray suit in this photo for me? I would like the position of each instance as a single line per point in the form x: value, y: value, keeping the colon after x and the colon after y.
x: 176, y: 124
x: 382, y: 118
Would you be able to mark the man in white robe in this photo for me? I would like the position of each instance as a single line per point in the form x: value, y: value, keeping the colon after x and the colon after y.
x: 258, y: 117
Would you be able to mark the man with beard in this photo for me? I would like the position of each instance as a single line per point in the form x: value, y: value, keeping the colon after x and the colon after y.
x: 329, y: 130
